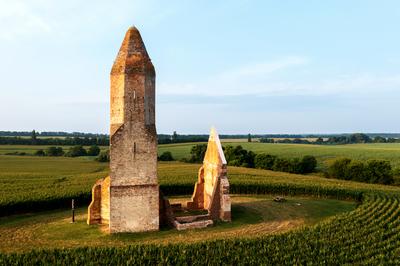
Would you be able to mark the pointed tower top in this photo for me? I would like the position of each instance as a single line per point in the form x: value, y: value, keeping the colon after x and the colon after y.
x: 132, y: 56
x: 215, y: 138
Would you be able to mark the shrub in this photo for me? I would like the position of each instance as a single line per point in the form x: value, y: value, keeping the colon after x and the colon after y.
x: 93, y: 150
x: 379, y: 171
x: 104, y: 156
x: 76, y: 151
x: 237, y: 156
x: 264, y: 161
x: 374, y: 171
x: 19, y: 153
x: 54, y: 151
x: 282, y: 165
x: 40, y: 153
x: 338, y: 168
x: 355, y: 170
x: 197, y: 153
x: 295, y: 166
x: 308, y: 164
x: 166, y: 156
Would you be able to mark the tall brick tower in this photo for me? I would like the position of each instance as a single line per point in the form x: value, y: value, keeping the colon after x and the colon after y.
x: 134, y: 191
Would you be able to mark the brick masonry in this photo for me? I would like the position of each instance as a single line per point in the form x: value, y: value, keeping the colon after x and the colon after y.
x: 129, y: 202
x: 211, y: 191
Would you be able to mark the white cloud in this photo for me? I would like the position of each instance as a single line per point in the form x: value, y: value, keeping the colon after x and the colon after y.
x: 247, y: 79
x: 263, y: 68
x: 17, y: 18
x: 69, y: 19
x: 277, y: 78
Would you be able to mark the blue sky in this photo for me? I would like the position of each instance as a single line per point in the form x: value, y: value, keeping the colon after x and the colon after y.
x: 242, y: 66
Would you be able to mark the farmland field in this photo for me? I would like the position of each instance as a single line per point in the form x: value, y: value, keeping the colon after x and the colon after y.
x: 363, y: 227
x: 323, y: 153
x: 253, y: 216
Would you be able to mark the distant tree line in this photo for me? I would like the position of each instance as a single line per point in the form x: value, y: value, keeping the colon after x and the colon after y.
x: 50, y: 134
x: 343, y: 139
x: 176, y: 138
x: 87, y: 139
x: 74, y: 151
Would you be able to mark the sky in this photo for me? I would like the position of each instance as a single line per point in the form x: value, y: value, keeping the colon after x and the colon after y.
x: 243, y: 66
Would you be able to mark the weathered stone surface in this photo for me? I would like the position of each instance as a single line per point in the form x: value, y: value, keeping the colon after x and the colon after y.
x: 212, y: 188
x: 129, y: 200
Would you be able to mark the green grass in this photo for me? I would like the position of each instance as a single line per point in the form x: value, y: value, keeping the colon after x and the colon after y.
x: 253, y: 216
x: 31, y: 149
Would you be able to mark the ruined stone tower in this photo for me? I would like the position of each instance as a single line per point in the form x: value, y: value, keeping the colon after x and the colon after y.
x: 131, y: 202
x: 133, y: 151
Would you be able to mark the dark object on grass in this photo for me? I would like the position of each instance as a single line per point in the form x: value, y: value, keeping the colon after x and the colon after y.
x: 279, y: 199
x: 73, y: 210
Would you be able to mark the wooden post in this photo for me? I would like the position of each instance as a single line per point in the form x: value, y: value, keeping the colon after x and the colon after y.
x: 73, y: 211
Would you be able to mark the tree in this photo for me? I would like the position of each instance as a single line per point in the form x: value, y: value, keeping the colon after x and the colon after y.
x: 104, y: 156
x: 166, y: 156
x: 174, y: 137
x: 379, y: 139
x: 93, y: 150
x: 338, y: 168
x: 76, y: 151
x: 33, y: 137
x: 266, y: 140
x: 355, y: 170
x: 308, y: 164
x: 264, y: 161
x: 40, y: 153
x: 54, y: 151
x: 237, y: 156
x: 197, y: 153
x: 379, y: 171
x: 282, y: 165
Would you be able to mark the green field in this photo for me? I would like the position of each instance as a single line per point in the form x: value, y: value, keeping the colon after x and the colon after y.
x: 368, y: 234
x: 31, y: 149
x: 252, y: 217
x: 323, y: 153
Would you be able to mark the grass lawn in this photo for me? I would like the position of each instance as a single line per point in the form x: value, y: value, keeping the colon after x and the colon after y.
x: 253, y: 216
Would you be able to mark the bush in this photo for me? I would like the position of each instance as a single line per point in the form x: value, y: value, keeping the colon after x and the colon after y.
x: 166, y: 156
x: 338, y: 168
x: 355, y: 170
x: 237, y: 156
x: 197, y: 153
x: 76, y: 151
x: 308, y: 164
x: 54, y: 151
x: 282, y: 165
x: 93, y: 150
x: 40, y: 153
x: 264, y: 161
x: 19, y: 153
x: 373, y: 171
x: 379, y: 171
x: 104, y: 156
